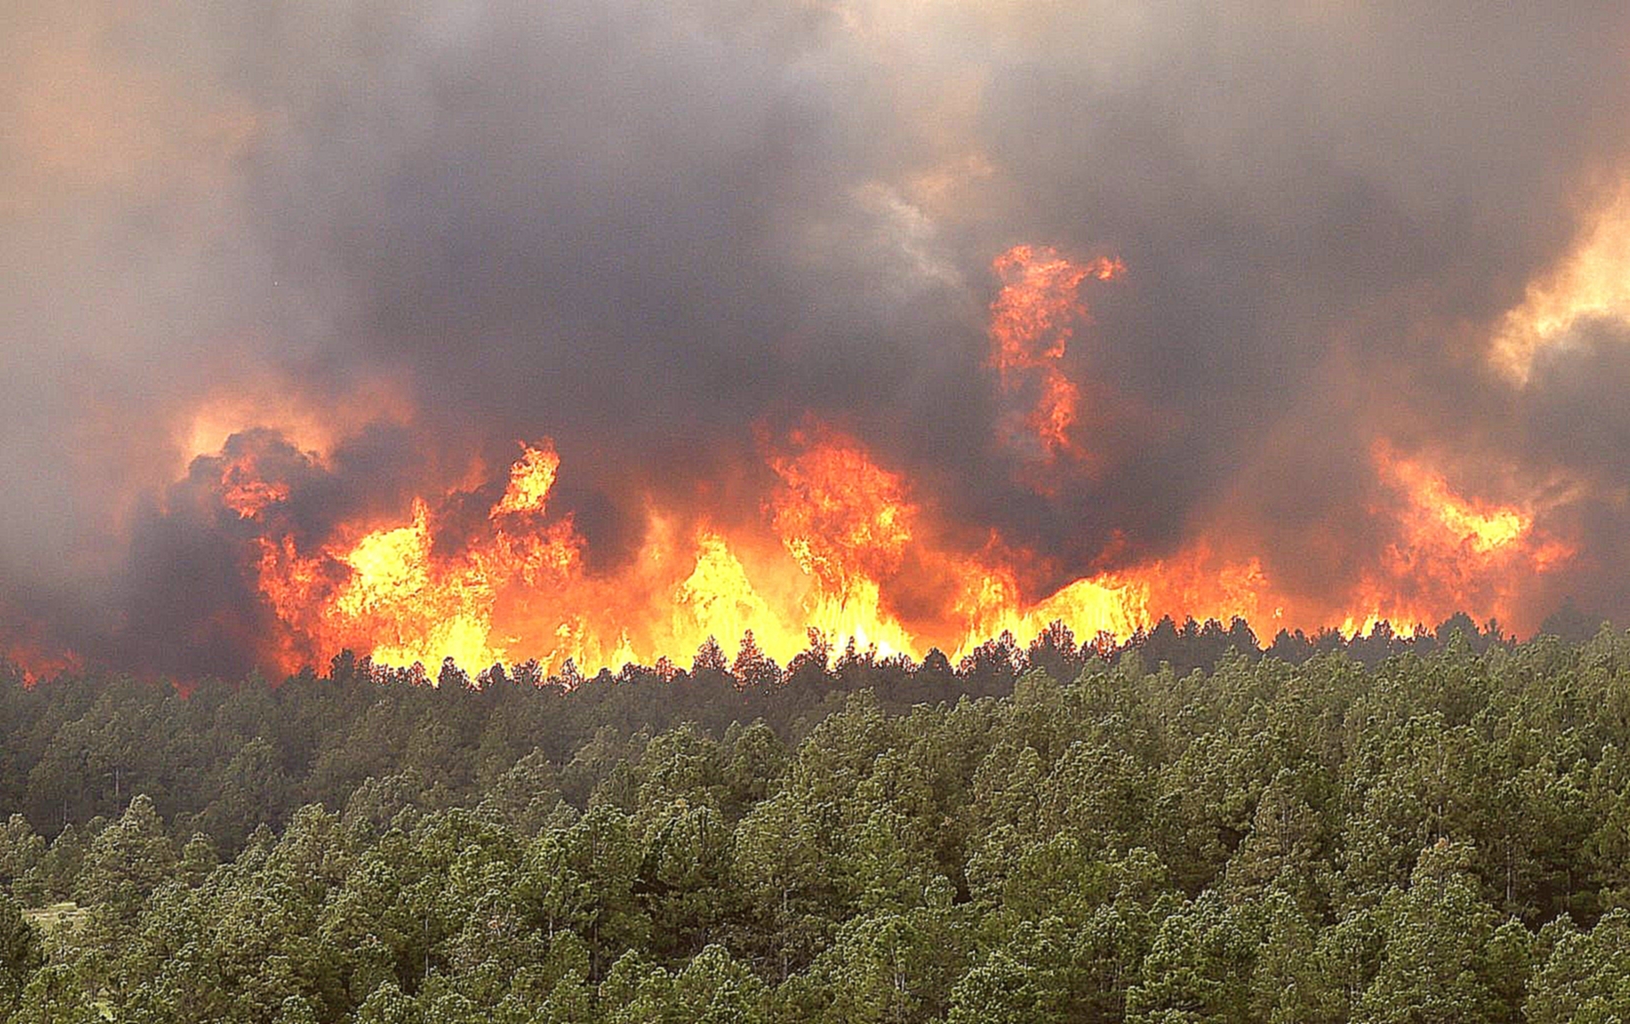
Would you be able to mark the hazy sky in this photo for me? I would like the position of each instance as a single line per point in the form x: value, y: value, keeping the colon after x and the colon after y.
x: 416, y: 233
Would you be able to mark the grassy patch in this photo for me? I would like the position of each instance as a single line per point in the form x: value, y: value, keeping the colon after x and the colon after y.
x: 58, y: 917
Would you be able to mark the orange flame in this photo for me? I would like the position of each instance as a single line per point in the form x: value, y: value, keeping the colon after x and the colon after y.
x: 1449, y: 551
x: 245, y: 491
x: 26, y: 646
x: 847, y: 550
x: 529, y: 481
x: 1032, y: 321
x: 844, y: 519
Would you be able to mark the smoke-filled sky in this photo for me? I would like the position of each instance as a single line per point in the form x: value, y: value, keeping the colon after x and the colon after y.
x: 668, y: 236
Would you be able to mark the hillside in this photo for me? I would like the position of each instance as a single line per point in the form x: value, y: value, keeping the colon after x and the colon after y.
x: 1437, y: 837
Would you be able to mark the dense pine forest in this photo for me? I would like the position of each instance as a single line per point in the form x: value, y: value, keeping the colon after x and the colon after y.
x: 1186, y: 828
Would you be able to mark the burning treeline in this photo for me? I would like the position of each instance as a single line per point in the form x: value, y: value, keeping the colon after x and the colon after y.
x: 851, y: 540
x: 491, y: 568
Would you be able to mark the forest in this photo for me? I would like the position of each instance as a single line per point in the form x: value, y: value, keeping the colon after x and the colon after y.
x: 1186, y: 827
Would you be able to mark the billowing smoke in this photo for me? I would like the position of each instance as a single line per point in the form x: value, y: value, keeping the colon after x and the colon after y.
x: 354, y: 253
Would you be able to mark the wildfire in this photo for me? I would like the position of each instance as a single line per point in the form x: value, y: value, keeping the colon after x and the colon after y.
x: 844, y: 528
x: 1435, y: 509
x: 245, y: 491
x: 388, y: 593
x: 1032, y: 321
x: 843, y: 519
x: 844, y: 546
x: 529, y: 481
x: 1450, y: 550
x: 38, y: 660
x: 845, y: 538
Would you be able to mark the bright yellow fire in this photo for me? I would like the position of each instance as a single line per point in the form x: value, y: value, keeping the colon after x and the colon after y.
x: 849, y: 538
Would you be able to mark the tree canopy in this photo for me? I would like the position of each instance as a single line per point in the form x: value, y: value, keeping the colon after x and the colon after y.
x: 1439, y: 832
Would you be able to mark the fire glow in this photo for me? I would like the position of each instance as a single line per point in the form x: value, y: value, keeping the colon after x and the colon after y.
x: 1032, y: 322
x: 842, y: 538
x: 844, y: 545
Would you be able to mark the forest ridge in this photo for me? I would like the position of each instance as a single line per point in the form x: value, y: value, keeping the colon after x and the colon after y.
x: 1034, y: 835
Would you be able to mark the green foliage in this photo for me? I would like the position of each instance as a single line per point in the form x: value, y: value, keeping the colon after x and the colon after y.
x: 1435, y: 962
x: 56, y: 995
x: 1585, y: 979
x: 388, y: 1005
x: 1439, y: 836
x: 20, y: 954
x: 127, y: 861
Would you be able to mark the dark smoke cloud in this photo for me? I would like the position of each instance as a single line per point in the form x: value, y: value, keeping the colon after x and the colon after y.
x: 649, y: 230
